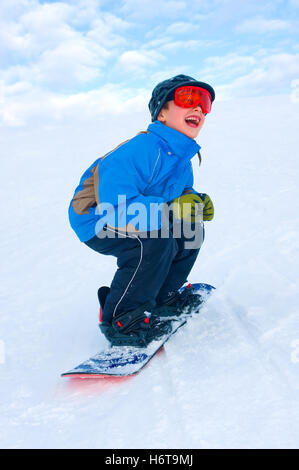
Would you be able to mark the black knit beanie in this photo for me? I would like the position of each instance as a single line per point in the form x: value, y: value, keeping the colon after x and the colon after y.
x: 164, y: 91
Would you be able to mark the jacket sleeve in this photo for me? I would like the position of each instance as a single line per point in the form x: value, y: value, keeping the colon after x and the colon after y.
x: 123, y: 176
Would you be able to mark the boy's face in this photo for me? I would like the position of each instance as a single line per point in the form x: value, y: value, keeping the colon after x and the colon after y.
x: 188, y: 121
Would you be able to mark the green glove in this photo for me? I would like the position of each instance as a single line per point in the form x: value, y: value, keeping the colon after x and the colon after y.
x: 193, y: 207
x: 208, y: 210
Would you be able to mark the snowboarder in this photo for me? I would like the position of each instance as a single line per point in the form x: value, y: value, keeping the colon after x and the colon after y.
x: 147, y: 175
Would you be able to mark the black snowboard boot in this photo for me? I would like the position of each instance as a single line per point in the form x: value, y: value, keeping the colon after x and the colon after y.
x: 134, y: 328
x: 179, y: 303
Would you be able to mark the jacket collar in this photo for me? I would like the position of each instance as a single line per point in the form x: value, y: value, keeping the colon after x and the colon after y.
x: 180, y: 144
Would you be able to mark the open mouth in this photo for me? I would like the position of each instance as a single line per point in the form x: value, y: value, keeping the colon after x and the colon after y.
x: 193, y: 121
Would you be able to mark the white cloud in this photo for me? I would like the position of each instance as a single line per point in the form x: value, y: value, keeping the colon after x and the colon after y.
x: 181, y: 27
x: 138, y: 61
x: 23, y: 104
x: 40, y: 28
x: 227, y: 66
x: 45, y: 15
x: 11, y: 9
x: 167, y: 72
x: 52, y: 51
x: 189, y: 44
x: 276, y: 72
x: 281, y: 66
x: 106, y: 30
x: 84, y: 11
x: 261, y: 25
x: 150, y: 9
x: 13, y: 39
x: 48, y: 25
x: 295, y: 91
x: 70, y: 63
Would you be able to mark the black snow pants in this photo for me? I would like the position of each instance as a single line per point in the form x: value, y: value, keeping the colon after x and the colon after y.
x: 149, y: 269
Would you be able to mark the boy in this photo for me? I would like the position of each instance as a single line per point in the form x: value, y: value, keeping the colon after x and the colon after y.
x: 144, y: 174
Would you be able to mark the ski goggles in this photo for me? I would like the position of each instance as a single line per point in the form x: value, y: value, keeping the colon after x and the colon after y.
x: 191, y: 96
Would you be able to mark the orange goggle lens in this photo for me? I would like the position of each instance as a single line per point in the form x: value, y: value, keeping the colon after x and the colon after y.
x: 191, y: 96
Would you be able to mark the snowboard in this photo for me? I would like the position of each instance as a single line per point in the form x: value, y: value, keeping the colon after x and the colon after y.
x: 120, y: 361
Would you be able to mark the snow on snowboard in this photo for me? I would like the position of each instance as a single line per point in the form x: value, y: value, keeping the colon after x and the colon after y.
x: 119, y: 361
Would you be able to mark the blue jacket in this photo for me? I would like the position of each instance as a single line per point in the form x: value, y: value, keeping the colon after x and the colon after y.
x: 152, y: 167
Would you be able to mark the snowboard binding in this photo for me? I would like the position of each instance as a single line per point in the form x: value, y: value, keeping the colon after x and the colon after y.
x: 134, y: 328
x: 185, y: 301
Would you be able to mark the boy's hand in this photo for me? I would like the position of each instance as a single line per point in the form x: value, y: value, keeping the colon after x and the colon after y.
x: 193, y: 207
x: 208, y: 210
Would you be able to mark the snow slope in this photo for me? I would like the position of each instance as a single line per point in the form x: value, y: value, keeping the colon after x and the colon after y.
x: 230, y: 378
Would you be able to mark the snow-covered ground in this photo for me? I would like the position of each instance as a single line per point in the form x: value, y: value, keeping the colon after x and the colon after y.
x: 230, y: 378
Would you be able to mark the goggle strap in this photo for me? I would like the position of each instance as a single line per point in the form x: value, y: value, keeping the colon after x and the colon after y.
x: 199, y: 157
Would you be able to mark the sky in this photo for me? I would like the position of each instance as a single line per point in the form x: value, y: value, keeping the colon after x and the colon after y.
x: 86, y: 58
